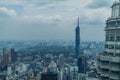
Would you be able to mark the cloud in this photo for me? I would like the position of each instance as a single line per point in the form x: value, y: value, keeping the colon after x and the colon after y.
x: 4, y: 12
x: 99, y: 4
x: 94, y: 16
x: 42, y: 18
x: 56, y: 19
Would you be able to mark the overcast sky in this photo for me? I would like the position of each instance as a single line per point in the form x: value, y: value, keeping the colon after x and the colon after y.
x: 53, y: 19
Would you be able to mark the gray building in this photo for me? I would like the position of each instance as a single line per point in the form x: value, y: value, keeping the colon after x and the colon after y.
x: 109, y: 60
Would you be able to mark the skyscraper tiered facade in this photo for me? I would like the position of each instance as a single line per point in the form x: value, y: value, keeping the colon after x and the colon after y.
x: 109, y: 60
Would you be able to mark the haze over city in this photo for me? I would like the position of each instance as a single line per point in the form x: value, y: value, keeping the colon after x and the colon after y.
x: 53, y: 19
x: 59, y: 39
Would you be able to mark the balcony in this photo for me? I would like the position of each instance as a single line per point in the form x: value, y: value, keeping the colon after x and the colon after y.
x: 109, y: 50
x: 115, y: 59
x: 115, y: 68
x: 115, y: 76
x: 110, y: 42
x: 104, y: 66
x: 98, y: 71
x: 105, y: 74
x: 117, y: 51
x: 118, y: 43
x: 111, y: 27
x: 104, y: 57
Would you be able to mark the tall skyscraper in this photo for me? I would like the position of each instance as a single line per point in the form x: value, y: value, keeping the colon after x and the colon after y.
x: 81, y: 58
x: 77, y: 40
x: 109, y: 60
x: 13, y: 56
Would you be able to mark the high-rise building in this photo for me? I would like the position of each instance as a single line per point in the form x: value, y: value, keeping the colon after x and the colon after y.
x: 82, y: 64
x: 61, y: 60
x: 13, y: 56
x: 5, y: 60
x: 81, y: 58
x: 77, y: 40
x: 109, y: 60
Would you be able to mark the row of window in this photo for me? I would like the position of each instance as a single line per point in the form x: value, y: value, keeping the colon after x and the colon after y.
x: 112, y: 24
x: 109, y: 46
x: 112, y: 32
x: 112, y: 46
x: 112, y: 54
x: 112, y: 38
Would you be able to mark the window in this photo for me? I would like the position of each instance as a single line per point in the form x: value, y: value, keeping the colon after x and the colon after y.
x: 110, y: 54
x: 112, y: 38
x: 118, y: 38
x: 110, y: 46
x: 118, y: 47
x: 108, y: 24
x: 112, y: 24
x: 107, y: 38
x: 118, y: 32
x: 110, y: 35
x: 117, y: 54
x: 118, y: 22
x: 106, y: 46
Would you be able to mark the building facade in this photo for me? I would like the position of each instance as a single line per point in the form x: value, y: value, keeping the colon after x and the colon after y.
x: 109, y: 60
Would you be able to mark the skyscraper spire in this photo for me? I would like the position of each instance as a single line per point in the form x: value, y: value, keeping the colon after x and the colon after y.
x: 78, y: 20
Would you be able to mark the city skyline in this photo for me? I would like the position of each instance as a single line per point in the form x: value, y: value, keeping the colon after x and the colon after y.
x: 52, y: 19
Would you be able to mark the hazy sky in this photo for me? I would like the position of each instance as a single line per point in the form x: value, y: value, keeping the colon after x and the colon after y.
x: 53, y: 19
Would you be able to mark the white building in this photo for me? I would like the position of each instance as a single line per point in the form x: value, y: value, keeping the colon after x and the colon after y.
x: 74, y: 72
x: 22, y: 67
x: 9, y: 70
